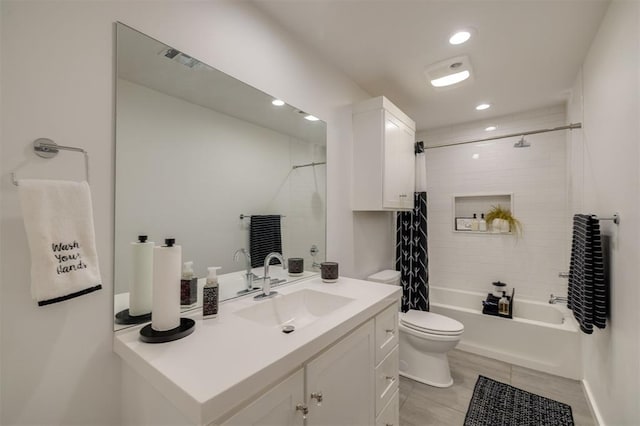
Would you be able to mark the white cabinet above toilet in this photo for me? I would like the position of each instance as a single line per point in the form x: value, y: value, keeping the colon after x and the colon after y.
x: 383, y: 157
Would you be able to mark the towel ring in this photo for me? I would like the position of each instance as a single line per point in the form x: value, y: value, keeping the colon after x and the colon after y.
x: 46, y: 148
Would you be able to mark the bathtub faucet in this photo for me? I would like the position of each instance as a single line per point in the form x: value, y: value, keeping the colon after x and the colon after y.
x: 555, y: 299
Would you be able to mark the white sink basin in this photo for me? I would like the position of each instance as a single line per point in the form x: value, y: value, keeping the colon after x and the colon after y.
x: 298, y: 309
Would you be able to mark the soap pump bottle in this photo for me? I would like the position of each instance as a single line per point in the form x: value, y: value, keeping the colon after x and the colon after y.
x: 482, y: 224
x: 474, y: 222
x: 188, y: 285
x: 210, y: 294
x: 503, y: 304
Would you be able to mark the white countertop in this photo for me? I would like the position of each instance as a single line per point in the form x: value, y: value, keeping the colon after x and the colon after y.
x: 229, y: 285
x: 228, y: 359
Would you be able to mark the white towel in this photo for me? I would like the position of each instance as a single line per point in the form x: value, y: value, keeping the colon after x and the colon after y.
x: 58, y: 219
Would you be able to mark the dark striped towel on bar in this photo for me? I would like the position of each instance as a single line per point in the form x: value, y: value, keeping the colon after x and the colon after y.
x: 264, y: 238
x: 587, y: 296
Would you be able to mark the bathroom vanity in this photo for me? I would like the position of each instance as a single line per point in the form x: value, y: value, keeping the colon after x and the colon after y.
x: 339, y: 366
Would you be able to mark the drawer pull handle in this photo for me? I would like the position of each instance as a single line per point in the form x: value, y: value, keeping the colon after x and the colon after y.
x: 390, y: 378
x: 304, y: 409
x: 388, y: 424
x: 318, y: 397
x: 391, y: 331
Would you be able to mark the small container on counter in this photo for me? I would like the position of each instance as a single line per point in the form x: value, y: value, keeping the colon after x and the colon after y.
x: 210, y: 294
x: 188, y: 286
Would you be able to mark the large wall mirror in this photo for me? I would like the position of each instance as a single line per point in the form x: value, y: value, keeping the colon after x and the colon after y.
x: 197, y: 154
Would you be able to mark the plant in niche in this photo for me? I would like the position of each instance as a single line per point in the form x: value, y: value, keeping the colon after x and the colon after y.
x: 498, y: 214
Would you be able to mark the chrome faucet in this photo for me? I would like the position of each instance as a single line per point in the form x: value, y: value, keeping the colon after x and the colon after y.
x: 266, y: 280
x: 555, y: 299
x: 248, y: 276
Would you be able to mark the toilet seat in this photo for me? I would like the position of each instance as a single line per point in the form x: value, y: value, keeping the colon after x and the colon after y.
x: 431, y: 323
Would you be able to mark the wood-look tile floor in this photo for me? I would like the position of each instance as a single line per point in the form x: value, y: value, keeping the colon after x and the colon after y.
x: 423, y: 405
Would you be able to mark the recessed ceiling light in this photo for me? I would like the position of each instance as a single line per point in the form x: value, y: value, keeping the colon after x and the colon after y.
x: 475, y: 156
x: 277, y: 102
x: 311, y: 118
x: 483, y: 106
x: 450, y: 79
x: 460, y: 37
x: 490, y: 128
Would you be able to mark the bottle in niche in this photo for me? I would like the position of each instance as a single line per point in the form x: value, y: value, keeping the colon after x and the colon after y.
x: 482, y: 224
x: 503, y: 304
x: 188, y: 286
x: 210, y: 294
x: 474, y: 222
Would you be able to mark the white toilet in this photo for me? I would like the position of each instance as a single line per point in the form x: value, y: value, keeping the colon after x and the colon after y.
x: 425, y: 339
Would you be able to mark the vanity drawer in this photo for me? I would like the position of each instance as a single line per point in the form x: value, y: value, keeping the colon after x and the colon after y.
x: 387, y: 379
x: 386, y: 332
x: 390, y: 415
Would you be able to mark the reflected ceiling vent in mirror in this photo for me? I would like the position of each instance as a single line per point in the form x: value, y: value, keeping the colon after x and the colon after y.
x: 308, y: 116
x: 180, y: 57
x: 450, y: 72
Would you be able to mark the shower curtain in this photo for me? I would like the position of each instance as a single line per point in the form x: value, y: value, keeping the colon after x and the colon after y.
x: 412, y: 259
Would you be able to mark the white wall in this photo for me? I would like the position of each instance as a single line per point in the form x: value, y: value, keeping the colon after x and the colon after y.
x: 537, y: 178
x: 605, y: 179
x: 188, y: 172
x: 57, y: 364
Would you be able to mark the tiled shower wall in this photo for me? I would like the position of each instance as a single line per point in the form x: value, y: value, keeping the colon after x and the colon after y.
x: 536, y: 176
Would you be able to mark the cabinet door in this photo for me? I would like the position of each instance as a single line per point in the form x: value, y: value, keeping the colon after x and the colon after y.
x: 344, y: 376
x: 276, y: 407
x: 399, y: 164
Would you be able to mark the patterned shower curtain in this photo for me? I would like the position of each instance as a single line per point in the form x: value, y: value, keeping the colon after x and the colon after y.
x: 412, y: 259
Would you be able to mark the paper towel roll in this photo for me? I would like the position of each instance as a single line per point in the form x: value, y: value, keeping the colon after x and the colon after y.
x: 165, y: 313
x: 141, y: 283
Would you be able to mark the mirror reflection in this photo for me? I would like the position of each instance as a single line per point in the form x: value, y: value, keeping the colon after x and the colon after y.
x: 228, y: 171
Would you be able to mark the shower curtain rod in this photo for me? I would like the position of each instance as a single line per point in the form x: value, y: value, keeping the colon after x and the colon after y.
x: 530, y: 132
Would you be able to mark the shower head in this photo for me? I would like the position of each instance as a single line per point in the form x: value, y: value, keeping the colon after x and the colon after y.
x: 521, y: 143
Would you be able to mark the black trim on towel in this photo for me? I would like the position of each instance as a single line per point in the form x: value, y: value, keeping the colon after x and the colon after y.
x: 69, y: 296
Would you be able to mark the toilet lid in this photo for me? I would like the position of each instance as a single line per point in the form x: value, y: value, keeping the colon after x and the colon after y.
x: 388, y: 276
x: 431, y: 323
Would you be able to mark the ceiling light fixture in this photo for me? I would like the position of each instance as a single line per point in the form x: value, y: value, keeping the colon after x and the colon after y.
x: 483, y: 107
x: 449, y: 72
x: 460, y: 37
x: 450, y: 79
x: 277, y: 102
x: 311, y: 118
x: 490, y: 128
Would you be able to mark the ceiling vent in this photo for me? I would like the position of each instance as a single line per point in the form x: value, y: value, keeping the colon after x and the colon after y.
x: 449, y: 73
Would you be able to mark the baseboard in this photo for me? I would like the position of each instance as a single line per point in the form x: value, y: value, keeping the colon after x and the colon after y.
x: 593, y: 407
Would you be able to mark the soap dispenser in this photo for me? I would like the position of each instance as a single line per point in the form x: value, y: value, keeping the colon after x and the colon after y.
x: 188, y: 286
x: 474, y: 222
x: 210, y: 294
x: 482, y: 224
x: 503, y: 304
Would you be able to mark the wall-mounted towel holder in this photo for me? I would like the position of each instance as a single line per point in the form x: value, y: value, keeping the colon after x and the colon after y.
x: 248, y: 216
x: 46, y: 148
x: 615, y: 218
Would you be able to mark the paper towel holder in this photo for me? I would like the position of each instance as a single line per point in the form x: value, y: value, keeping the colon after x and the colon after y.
x: 149, y: 335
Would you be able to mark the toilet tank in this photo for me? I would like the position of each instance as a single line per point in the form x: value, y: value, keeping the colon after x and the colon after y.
x: 388, y: 276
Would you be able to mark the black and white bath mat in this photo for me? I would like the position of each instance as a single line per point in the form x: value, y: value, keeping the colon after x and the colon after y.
x: 499, y: 404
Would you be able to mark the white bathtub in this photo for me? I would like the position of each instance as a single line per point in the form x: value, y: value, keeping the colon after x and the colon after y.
x: 540, y: 336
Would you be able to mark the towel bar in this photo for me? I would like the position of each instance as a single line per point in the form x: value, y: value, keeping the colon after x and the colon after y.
x: 46, y: 148
x: 248, y: 216
x: 615, y: 218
